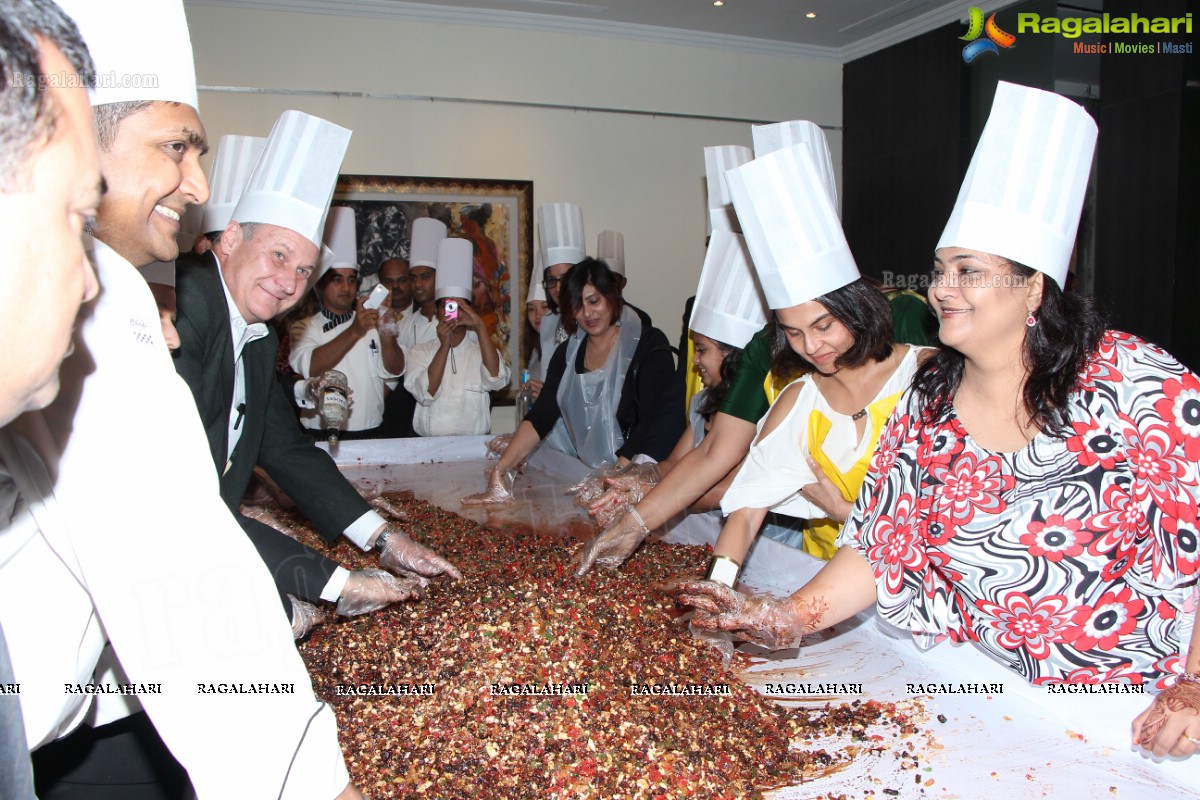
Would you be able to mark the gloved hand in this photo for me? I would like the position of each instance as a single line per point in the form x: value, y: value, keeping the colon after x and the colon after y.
x: 614, y: 544
x: 766, y: 621
x: 377, y: 501
x: 624, y: 490
x: 314, y: 385
x: 305, y: 617
x: 593, y: 485
x: 267, y: 518
x: 369, y: 590
x: 401, y: 556
x: 500, y: 485
x: 499, y: 444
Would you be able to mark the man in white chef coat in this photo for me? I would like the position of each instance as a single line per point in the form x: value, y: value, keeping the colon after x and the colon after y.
x: 129, y: 542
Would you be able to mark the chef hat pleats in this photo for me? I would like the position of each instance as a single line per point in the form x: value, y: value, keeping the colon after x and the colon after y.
x: 454, y: 260
x: 293, y: 181
x: 1024, y: 190
x: 232, y: 165
x: 142, y: 50
x: 781, y: 135
x: 717, y: 161
x: 729, y: 304
x: 561, y: 229
x: 341, y: 235
x: 792, y: 231
x: 610, y: 248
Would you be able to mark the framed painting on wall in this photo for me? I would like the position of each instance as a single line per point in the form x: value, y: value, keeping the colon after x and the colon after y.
x: 495, y: 215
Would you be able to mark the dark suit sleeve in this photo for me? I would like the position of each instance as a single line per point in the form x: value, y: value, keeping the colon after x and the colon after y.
x: 545, y: 411
x: 295, y: 568
x: 306, y: 472
x: 651, y: 422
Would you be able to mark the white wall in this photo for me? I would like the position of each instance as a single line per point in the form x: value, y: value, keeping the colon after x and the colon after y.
x: 643, y: 176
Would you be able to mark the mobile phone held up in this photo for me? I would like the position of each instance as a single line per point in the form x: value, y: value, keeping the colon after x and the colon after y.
x: 451, y: 311
x: 376, y: 298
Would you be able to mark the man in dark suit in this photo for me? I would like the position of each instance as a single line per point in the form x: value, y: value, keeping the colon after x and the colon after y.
x: 243, y: 265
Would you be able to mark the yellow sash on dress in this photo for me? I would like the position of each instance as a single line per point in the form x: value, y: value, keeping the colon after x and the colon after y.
x: 820, y: 534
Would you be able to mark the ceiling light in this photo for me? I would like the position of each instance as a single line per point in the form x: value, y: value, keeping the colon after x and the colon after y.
x: 811, y: 15
x: 718, y: 3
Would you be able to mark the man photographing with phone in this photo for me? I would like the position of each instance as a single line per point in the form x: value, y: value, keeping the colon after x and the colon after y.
x: 451, y: 376
x: 344, y: 336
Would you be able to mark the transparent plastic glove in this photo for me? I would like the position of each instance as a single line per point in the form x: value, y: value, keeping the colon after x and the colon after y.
x: 305, y: 617
x: 401, y: 555
x: 594, y: 485
x: 312, y: 391
x: 766, y: 621
x: 614, y: 544
x: 721, y: 641
x: 625, y: 490
x: 377, y: 501
x: 267, y: 518
x: 499, y: 491
x: 369, y: 590
x: 498, y: 445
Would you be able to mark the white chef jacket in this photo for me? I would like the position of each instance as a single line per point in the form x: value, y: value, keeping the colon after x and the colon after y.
x: 462, y: 405
x: 415, y: 329
x: 363, y: 367
x: 135, y: 516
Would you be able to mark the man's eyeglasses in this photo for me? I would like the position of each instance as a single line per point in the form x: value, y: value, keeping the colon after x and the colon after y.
x: 550, y: 282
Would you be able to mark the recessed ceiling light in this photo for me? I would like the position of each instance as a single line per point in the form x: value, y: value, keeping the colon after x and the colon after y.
x: 718, y: 3
x: 811, y: 15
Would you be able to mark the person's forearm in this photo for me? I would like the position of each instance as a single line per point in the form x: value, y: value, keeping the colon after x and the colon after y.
x: 843, y: 587
x: 682, y: 448
x: 697, y: 472
x: 330, y: 354
x: 739, y: 532
x: 524, y: 441
x: 437, y: 368
x: 712, y: 498
x: 393, y: 355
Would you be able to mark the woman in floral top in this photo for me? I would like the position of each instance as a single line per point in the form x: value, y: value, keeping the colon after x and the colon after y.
x: 1035, y: 491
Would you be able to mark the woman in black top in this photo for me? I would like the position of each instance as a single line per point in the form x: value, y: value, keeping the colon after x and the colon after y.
x: 603, y: 408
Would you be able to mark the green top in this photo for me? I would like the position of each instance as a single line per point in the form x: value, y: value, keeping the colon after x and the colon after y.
x: 747, y: 398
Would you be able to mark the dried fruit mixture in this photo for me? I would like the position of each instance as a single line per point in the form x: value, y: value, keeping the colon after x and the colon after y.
x: 413, y: 685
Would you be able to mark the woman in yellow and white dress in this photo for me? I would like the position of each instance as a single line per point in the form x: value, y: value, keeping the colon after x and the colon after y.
x: 813, y: 447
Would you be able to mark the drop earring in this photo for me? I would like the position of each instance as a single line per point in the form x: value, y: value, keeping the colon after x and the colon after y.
x: 1031, y: 320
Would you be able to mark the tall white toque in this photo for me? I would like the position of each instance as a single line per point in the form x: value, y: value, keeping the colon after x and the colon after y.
x: 561, y: 229
x: 427, y: 233
x: 232, y: 165
x: 717, y: 161
x: 1024, y: 190
x: 295, y: 176
x: 536, y: 290
x: 780, y: 135
x: 796, y: 242
x: 610, y: 248
x: 455, y: 258
x: 729, y: 304
x: 142, y: 50
x: 341, y: 236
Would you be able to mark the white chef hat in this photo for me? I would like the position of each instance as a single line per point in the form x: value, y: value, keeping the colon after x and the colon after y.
x: 729, y: 304
x: 610, y: 248
x: 142, y: 50
x: 536, y: 290
x: 293, y: 181
x: 777, y: 136
x: 561, y: 229
x: 791, y: 228
x: 341, y: 236
x: 455, y: 258
x: 1024, y: 190
x: 232, y: 165
x: 717, y: 161
x: 427, y: 233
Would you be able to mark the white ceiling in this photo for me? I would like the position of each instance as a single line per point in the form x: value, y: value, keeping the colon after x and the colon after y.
x: 842, y: 30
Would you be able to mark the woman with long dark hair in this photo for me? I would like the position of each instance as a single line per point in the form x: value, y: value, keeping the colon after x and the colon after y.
x: 1035, y: 492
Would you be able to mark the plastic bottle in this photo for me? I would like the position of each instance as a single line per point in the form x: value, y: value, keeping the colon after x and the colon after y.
x: 524, y: 397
